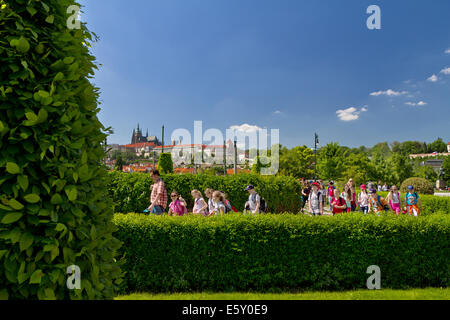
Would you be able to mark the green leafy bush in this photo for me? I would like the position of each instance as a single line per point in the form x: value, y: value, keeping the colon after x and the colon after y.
x: 131, y: 191
x: 282, y: 252
x: 54, y: 208
x: 421, y: 185
x: 165, y: 164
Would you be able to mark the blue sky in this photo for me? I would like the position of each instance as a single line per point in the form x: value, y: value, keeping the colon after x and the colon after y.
x: 288, y: 65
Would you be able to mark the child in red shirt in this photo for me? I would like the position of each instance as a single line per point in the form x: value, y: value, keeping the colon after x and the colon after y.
x: 338, y: 203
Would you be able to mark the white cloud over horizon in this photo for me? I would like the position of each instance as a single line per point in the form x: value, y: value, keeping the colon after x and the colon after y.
x: 351, y: 113
x: 445, y: 71
x: 389, y: 93
x: 433, y: 78
x: 419, y: 104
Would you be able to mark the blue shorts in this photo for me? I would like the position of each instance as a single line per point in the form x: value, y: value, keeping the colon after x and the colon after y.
x: 158, y: 210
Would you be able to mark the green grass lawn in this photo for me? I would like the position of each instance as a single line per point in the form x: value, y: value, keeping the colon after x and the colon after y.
x: 386, y: 294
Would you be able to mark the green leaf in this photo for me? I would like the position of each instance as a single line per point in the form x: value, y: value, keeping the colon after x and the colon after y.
x: 26, y: 240
x: 36, y: 277
x: 60, y: 227
x: 16, y: 205
x: 50, y: 19
x: 43, y: 94
x: 59, y: 76
x: 12, y: 168
x: 22, y: 45
x: 12, y: 217
x: 31, y: 116
x: 23, y: 182
x: 42, y: 115
x: 32, y: 198
x: 31, y: 10
x: 71, y: 192
x: 2, y: 127
x: 68, y: 60
x: 56, y: 199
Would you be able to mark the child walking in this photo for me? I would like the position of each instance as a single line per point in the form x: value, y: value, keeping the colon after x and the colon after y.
x: 200, y: 206
x: 217, y: 204
x: 178, y: 206
x: 363, y: 200
x: 395, y: 201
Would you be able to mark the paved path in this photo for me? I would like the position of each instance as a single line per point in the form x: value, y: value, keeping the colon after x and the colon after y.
x: 444, y: 194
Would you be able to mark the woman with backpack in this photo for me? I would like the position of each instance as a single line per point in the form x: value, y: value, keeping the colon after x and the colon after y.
x: 394, y: 199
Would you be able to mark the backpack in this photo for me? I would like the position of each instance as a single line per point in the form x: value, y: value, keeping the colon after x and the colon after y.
x: 385, y: 207
x: 416, y: 196
x: 262, y: 203
x: 228, y: 206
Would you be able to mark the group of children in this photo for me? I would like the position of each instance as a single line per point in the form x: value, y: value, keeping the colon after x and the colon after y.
x: 217, y: 203
x: 367, y: 200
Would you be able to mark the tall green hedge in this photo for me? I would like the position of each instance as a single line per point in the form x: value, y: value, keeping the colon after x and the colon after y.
x: 282, y: 252
x: 54, y: 209
x: 131, y: 191
x: 165, y: 164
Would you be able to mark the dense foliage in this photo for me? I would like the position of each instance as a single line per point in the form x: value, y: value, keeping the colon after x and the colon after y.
x: 54, y: 209
x: 282, y: 252
x: 165, y: 164
x: 420, y: 185
x: 131, y: 191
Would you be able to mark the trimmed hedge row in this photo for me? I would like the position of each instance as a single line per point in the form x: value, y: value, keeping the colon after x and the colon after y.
x: 131, y: 191
x: 282, y: 252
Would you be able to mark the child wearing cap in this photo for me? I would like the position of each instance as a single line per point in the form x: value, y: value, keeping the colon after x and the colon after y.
x: 363, y: 200
x: 315, y: 200
x: 412, y: 202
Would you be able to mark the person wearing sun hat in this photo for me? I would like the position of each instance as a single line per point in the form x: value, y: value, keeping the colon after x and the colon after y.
x: 363, y: 200
x: 412, y: 202
x: 315, y: 200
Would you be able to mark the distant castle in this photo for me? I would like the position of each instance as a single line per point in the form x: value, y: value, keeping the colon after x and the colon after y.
x: 138, y: 137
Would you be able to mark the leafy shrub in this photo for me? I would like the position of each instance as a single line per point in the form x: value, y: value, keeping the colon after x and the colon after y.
x: 165, y: 164
x: 282, y: 252
x: 421, y: 185
x: 131, y: 191
x: 54, y: 209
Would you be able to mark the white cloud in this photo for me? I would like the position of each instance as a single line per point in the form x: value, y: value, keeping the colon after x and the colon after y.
x: 433, y: 78
x: 445, y: 71
x: 389, y: 93
x: 350, y: 114
x: 447, y: 51
x: 277, y: 112
x: 245, y: 128
x: 420, y: 103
